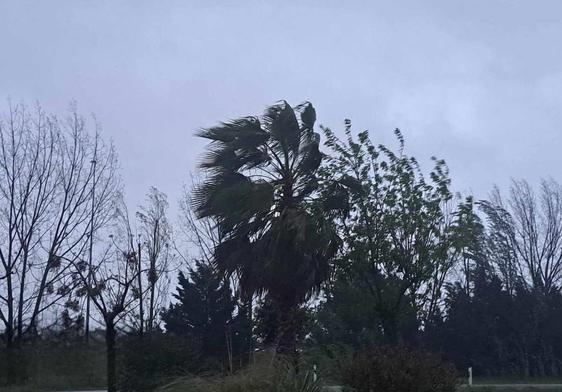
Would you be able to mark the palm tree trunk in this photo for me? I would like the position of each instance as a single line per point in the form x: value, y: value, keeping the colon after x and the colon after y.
x: 250, y: 336
x: 287, y: 332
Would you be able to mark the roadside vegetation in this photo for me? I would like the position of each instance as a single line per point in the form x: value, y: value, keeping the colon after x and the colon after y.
x: 302, y: 257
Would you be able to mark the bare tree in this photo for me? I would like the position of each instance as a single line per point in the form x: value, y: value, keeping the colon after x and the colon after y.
x: 46, y: 209
x: 110, y: 284
x: 156, y: 235
x: 526, y: 233
x: 201, y: 235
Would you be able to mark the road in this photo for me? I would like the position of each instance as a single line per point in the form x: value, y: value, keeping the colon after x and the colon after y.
x: 512, y: 386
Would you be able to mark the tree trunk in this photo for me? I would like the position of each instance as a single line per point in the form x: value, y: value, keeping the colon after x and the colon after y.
x: 287, y: 332
x: 21, y: 294
x: 391, y: 328
x: 110, y: 335
x: 250, y: 336
x: 228, y: 341
x: 139, y: 278
x: 9, y: 337
x: 11, y: 365
x: 41, y: 291
x: 152, y: 278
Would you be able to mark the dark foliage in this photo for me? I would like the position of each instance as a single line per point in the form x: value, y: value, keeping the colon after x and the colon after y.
x: 204, y: 314
x: 153, y: 361
x: 261, y: 190
x: 268, y: 317
x: 399, y: 369
x: 54, y: 365
x: 347, y: 316
x: 395, y: 259
x: 515, y: 334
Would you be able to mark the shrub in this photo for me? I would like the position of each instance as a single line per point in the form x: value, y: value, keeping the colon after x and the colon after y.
x: 51, y: 365
x: 399, y: 369
x: 153, y: 361
x: 264, y: 377
x: 330, y: 360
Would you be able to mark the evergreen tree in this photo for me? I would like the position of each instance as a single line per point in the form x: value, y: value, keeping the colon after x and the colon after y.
x: 204, y: 310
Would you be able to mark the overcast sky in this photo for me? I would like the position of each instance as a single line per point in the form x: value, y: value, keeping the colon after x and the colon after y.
x: 478, y: 83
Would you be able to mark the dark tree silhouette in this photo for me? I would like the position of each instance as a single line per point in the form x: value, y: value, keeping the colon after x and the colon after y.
x: 203, y: 311
x: 260, y: 187
x: 526, y: 231
x: 155, y: 235
x: 48, y: 211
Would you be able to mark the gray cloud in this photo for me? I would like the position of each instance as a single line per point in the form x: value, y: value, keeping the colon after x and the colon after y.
x: 478, y: 83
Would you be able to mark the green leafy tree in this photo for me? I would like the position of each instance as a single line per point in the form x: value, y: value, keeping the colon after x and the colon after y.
x: 260, y: 188
x: 346, y: 316
x: 395, y: 230
x: 471, y: 243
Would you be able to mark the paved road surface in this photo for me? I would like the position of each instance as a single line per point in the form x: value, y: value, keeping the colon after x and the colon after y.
x: 513, y: 386
x: 462, y: 387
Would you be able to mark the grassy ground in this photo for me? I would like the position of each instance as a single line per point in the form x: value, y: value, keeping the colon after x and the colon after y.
x: 51, y: 367
x: 502, y: 384
x: 31, y: 388
x: 82, y: 368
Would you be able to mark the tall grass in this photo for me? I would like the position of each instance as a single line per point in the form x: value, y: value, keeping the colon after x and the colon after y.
x: 262, y: 377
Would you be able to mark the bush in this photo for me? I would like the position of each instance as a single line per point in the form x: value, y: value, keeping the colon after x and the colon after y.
x: 264, y: 377
x: 399, y: 369
x: 153, y: 361
x: 330, y: 360
x: 51, y: 365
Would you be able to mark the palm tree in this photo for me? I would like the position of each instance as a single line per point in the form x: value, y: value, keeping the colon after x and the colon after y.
x: 261, y: 178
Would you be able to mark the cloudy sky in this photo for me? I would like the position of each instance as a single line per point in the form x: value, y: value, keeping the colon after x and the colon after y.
x: 478, y: 83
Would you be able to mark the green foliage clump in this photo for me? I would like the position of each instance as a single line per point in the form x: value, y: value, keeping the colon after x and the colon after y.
x: 395, y: 231
x: 399, y: 369
x: 279, y: 376
x: 330, y: 360
x: 153, y: 361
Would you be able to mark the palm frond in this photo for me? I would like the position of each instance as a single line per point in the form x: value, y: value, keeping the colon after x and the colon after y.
x: 282, y: 123
x: 307, y: 115
x: 247, y: 128
x: 231, y: 198
x: 262, y: 176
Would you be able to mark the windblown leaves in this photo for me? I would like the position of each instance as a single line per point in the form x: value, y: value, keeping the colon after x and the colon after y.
x: 390, y: 217
x: 261, y: 188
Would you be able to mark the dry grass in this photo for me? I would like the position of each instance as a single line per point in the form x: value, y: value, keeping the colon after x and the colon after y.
x: 263, y: 377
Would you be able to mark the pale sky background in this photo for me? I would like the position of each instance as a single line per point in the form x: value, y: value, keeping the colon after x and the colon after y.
x: 478, y: 83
